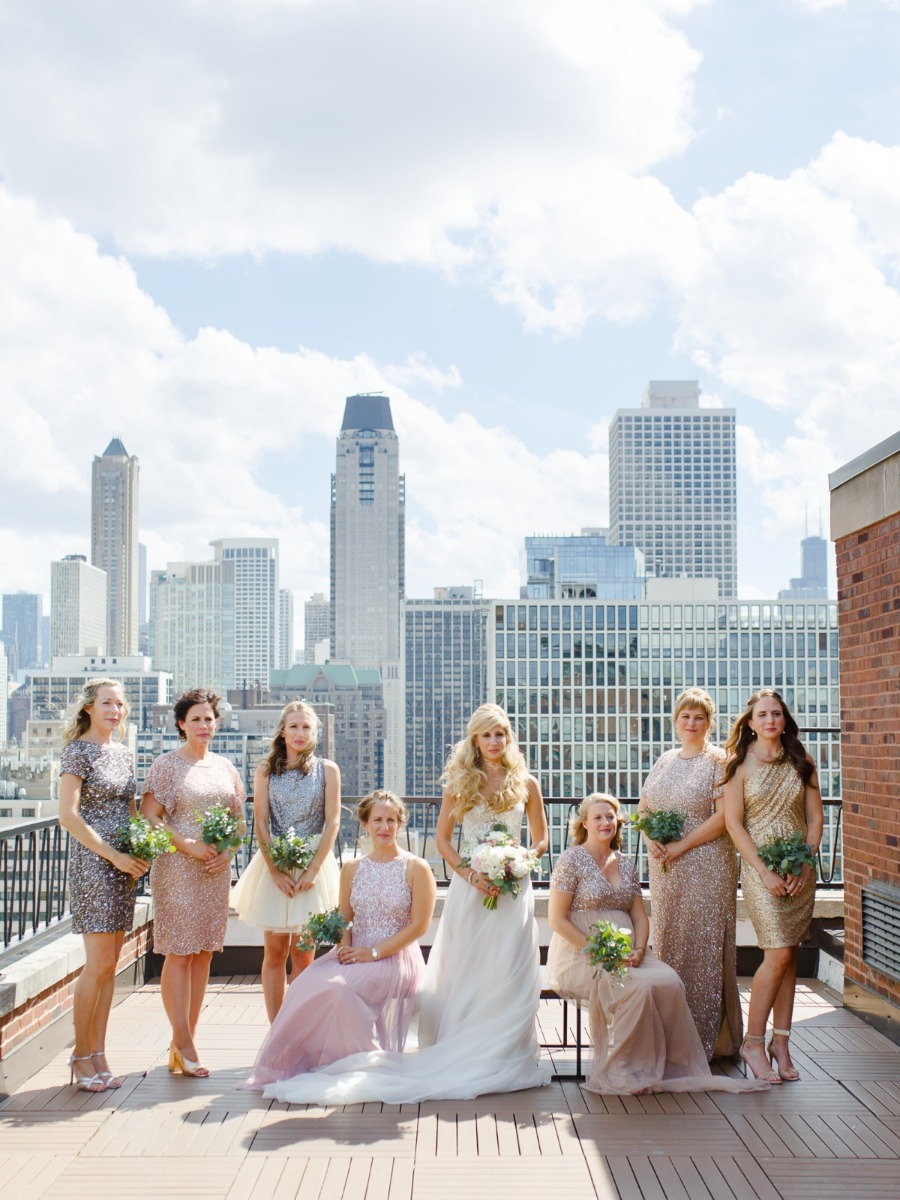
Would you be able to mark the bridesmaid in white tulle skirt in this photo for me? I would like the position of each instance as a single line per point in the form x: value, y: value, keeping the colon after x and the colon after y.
x: 292, y: 789
x: 359, y: 996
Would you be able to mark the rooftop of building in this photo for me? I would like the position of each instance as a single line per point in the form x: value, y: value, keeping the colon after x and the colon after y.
x: 372, y: 411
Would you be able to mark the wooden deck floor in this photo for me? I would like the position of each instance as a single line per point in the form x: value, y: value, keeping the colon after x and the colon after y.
x: 835, y: 1134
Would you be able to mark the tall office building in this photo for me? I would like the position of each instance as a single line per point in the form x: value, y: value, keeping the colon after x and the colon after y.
x: 581, y: 567
x: 285, y: 629
x: 672, y: 484
x: 194, y: 624
x: 255, y: 606
x: 813, y: 581
x: 22, y: 630
x: 316, y: 628
x: 77, y: 607
x: 368, y: 502
x: 114, y: 543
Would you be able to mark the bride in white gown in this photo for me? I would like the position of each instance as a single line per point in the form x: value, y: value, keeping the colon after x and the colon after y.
x: 482, y: 984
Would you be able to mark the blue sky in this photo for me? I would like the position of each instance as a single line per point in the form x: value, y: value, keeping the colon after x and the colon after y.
x: 218, y: 220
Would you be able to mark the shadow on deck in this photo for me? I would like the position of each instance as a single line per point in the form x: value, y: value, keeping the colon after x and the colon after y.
x: 836, y: 1133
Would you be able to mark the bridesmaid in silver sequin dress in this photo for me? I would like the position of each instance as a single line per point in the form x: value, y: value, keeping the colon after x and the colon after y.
x: 190, y: 888
x: 292, y: 789
x: 360, y: 996
x: 96, y: 797
x: 693, y: 881
x: 771, y: 789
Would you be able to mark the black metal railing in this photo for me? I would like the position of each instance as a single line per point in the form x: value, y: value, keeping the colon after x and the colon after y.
x: 34, y: 863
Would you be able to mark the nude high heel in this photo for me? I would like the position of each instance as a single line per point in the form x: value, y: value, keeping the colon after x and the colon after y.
x: 768, y: 1076
x: 788, y: 1074
x: 177, y: 1062
x: 84, y: 1083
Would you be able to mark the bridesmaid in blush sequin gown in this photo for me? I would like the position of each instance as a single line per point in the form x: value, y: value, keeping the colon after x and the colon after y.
x: 190, y: 888
x: 771, y: 789
x: 96, y: 797
x: 644, y: 1037
x: 359, y: 996
x: 693, y: 881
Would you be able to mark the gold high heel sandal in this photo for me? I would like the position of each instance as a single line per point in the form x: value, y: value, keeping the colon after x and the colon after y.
x: 768, y: 1076
x: 177, y: 1062
x: 788, y: 1074
x: 112, y: 1081
x: 84, y: 1083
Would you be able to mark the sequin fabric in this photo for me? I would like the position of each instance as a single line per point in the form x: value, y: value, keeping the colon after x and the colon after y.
x: 693, y: 902
x: 381, y: 900
x: 577, y: 872
x: 774, y: 805
x: 101, y: 897
x: 190, y: 908
x: 297, y: 800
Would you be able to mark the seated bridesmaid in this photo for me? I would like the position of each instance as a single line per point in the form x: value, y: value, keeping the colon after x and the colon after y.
x: 644, y: 1037
x: 360, y: 996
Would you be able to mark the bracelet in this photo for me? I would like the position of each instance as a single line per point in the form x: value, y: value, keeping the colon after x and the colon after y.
x: 470, y: 874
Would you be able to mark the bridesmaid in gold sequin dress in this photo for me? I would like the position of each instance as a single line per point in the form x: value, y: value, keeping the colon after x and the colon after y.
x: 771, y: 790
x: 190, y: 888
x: 693, y: 881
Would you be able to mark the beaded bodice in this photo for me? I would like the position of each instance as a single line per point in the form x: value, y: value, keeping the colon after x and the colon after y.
x: 298, y: 801
x: 577, y: 872
x: 381, y: 900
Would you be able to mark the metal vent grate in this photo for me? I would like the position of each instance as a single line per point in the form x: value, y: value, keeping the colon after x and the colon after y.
x: 881, y: 928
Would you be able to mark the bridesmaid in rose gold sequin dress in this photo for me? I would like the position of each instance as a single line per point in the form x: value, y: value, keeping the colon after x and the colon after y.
x: 360, y: 996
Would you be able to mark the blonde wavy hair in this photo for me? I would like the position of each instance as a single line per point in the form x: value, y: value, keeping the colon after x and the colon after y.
x: 276, y: 760
x: 80, y: 721
x: 577, y: 828
x: 695, y: 697
x: 464, y: 777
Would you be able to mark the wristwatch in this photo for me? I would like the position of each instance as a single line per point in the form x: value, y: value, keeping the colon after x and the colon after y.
x: 374, y: 952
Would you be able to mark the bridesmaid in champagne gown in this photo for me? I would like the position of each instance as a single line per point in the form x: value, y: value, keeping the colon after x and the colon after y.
x: 644, y: 1037
x: 360, y: 996
x: 693, y: 881
x: 771, y: 789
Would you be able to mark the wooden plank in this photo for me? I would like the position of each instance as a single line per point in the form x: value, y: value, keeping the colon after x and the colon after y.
x: 486, y: 1133
x: 649, y: 1185
x: 426, y: 1136
x: 887, y: 1132
x: 670, y: 1179
x: 402, y: 1173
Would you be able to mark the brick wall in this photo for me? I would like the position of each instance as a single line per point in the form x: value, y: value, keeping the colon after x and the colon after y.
x: 39, y: 1011
x: 868, y: 571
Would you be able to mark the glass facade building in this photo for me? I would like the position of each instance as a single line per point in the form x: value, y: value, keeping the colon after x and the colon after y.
x: 580, y: 567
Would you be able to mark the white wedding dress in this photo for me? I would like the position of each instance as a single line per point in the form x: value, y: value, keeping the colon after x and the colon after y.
x: 477, y: 1007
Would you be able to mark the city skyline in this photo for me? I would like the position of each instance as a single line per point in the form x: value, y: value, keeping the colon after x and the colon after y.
x: 669, y: 189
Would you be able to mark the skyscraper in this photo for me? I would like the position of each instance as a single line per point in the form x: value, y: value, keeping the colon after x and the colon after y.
x: 255, y: 606
x: 194, y: 624
x: 813, y: 581
x: 22, y: 630
x: 285, y: 629
x: 316, y: 625
x: 368, y: 502
x: 114, y: 543
x: 672, y: 484
x: 582, y: 566
x: 77, y: 607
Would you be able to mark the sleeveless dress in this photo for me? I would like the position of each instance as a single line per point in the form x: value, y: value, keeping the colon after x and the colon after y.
x: 295, y: 801
x: 775, y: 805
x: 333, y: 1009
x: 694, y: 901
x: 477, y: 1007
x: 642, y: 1030
x: 100, y: 896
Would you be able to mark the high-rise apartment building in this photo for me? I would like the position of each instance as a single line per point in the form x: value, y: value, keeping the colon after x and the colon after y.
x: 255, y: 606
x: 194, y: 624
x: 114, y: 543
x: 316, y: 627
x: 285, y: 629
x: 22, y: 630
x: 581, y: 567
x: 672, y: 484
x: 77, y: 607
x: 813, y: 581
x: 368, y: 502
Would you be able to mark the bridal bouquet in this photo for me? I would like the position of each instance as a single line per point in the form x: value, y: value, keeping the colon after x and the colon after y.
x: 787, y: 856
x: 607, y: 948
x: 144, y: 840
x: 292, y: 853
x: 221, y: 827
x: 502, y: 860
x: 659, y: 825
x: 323, y: 929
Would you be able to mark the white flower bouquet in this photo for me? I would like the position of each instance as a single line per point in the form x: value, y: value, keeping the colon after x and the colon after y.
x: 502, y: 860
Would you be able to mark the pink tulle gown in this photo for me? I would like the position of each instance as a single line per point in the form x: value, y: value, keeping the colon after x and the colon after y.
x: 334, y: 1009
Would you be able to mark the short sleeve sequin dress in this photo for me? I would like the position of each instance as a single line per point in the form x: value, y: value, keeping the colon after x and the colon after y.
x: 694, y: 900
x: 100, y: 896
x: 296, y: 801
x: 775, y: 806
x: 190, y: 908
x: 335, y: 1009
x: 642, y: 1030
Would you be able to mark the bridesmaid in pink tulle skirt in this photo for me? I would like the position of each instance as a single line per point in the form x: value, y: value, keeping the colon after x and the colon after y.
x: 360, y: 996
